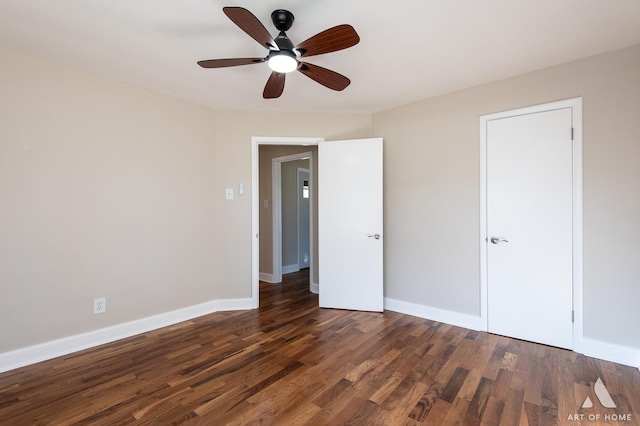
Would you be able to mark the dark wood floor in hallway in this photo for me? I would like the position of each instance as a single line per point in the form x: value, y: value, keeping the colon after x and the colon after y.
x: 291, y: 363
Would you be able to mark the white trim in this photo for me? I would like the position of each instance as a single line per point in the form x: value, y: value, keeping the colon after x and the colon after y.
x: 578, y: 242
x: 300, y: 171
x: 268, y: 278
x: 612, y: 352
x: 276, y: 222
x: 576, y: 107
x: 234, y: 304
x: 314, y: 287
x: 290, y: 268
x: 312, y: 262
x: 276, y: 205
x: 66, y: 345
x: 435, y: 314
x: 256, y: 141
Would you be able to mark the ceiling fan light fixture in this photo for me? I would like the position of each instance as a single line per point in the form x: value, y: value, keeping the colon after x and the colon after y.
x: 283, y: 56
x: 282, y: 61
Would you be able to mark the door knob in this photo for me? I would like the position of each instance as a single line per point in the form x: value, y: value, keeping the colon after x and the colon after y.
x: 497, y: 240
x: 376, y: 236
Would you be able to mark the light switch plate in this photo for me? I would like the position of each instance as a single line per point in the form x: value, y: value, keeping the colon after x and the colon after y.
x: 229, y: 194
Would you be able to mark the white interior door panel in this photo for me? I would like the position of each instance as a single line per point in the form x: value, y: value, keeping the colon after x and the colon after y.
x: 350, y: 224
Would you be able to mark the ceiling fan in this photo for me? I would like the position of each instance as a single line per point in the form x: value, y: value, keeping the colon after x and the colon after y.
x: 283, y: 56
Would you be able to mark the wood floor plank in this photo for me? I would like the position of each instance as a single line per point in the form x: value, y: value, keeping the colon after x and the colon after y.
x: 493, y: 411
x: 290, y: 362
x: 549, y: 405
x: 502, y: 384
x: 375, y: 376
x: 438, y: 413
x: 532, y: 413
x: 457, y: 412
x: 480, y: 398
x: 512, y: 408
x: 533, y: 381
x: 452, y: 387
x: 422, y: 408
x: 470, y: 385
x: 389, y: 386
x: 400, y: 409
x: 566, y: 397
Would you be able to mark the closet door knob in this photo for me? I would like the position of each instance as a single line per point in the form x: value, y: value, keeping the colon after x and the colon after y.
x: 498, y: 240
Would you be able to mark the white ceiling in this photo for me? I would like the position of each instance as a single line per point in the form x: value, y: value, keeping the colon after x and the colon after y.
x: 409, y: 50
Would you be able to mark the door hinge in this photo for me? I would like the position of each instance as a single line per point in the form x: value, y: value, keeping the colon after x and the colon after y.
x: 573, y: 316
x: 572, y: 133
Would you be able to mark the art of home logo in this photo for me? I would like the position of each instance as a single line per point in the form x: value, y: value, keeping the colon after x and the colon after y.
x: 604, y: 398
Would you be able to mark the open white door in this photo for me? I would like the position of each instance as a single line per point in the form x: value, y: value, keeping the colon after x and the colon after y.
x: 350, y: 224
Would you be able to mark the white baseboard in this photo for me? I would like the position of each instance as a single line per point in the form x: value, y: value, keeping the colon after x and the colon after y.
x: 435, y: 314
x: 314, y: 288
x: 594, y: 348
x: 290, y: 268
x: 268, y: 278
x: 263, y: 276
x: 612, y: 352
x: 235, y: 304
x: 30, y: 355
x: 66, y: 345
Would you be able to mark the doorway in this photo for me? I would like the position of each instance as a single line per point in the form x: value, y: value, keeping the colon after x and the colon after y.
x: 258, y: 204
x: 531, y: 223
x: 361, y: 160
x: 286, y: 214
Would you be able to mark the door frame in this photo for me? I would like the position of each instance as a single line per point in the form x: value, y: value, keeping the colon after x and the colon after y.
x: 301, y: 171
x: 256, y: 141
x: 276, y: 191
x: 577, y: 245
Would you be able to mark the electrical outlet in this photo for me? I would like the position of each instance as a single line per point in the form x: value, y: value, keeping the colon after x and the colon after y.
x: 100, y: 305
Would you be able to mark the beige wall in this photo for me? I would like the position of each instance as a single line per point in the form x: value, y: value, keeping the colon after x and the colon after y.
x: 108, y: 190
x: 432, y: 190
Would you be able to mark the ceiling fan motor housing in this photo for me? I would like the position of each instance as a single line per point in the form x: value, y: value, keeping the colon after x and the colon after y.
x: 283, y: 42
x: 282, y: 19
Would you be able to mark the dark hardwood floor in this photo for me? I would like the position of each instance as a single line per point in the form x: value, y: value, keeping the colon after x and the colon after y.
x: 292, y: 363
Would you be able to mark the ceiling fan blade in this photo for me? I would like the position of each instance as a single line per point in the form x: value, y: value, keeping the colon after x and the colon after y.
x: 331, y: 40
x: 274, y: 87
x: 222, y: 63
x: 250, y: 25
x: 326, y: 77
